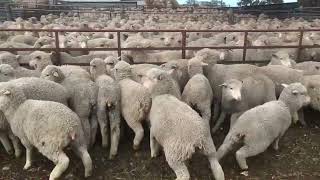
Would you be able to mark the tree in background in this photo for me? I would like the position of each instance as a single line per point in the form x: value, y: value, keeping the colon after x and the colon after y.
x: 258, y: 2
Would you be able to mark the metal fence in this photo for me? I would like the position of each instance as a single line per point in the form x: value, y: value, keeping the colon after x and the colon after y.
x: 183, y: 46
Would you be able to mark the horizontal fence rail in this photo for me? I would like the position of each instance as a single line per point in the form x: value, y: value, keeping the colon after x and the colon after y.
x: 183, y: 46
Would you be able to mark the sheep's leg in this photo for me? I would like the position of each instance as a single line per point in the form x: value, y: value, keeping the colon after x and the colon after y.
x: 301, y: 117
x: 103, y: 123
x: 180, y: 169
x: 115, y: 134
x: 276, y: 144
x: 234, y: 118
x: 224, y: 149
x: 93, y: 126
x: 6, y: 143
x: 86, y: 128
x: 16, y: 144
x: 219, y: 122
x: 216, y: 110
x: 248, y: 151
x: 61, y: 166
x: 154, y: 145
x: 86, y: 159
x: 212, y: 157
x: 139, y: 133
x: 28, y: 158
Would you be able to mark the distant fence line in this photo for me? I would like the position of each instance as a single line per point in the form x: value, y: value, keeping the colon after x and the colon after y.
x: 183, y: 46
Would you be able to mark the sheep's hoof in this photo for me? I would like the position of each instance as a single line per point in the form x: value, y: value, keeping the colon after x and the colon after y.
x: 112, y: 156
x: 18, y: 154
x: 245, y: 173
x: 27, y: 166
x: 136, y: 147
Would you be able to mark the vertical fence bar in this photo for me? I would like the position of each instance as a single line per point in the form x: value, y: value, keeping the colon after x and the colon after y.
x: 9, y: 12
x: 245, y: 46
x: 119, y: 43
x: 300, y: 44
x: 183, y: 44
x: 56, y: 36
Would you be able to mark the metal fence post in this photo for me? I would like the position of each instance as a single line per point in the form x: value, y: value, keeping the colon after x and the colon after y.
x: 9, y: 12
x: 119, y: 43
x: 56, y: 35
x: 300, y: 45
x: 245, y: 46
x: 183, y: 44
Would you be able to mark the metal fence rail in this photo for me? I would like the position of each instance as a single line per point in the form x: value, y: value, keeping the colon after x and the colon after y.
x: 183, y: 46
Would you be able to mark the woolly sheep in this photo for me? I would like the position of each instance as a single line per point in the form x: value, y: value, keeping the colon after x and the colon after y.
x: 263, y: 125
x: 198, y: 93
x: 49, y: 127
x: 82, y: 92
x: 282, y: 58
x: 180, y: 73
x: 312, y: 83
x: 180, y: 131
x: 13, y: 60
x: 108, y: 105
x: 240, y: 95
x: 309, y: 67
x: 158, y: 82
x: 39, y: 60
x: 110, y: 62
x: 135, y: 101
x: 25, y: 39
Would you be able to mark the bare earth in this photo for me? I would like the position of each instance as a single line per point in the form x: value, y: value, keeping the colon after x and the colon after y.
x: 298, y: 158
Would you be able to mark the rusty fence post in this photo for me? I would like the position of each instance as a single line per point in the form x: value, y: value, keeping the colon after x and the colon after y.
x: 245, y: 46
x: 183, y: 44
x: 56, y: 36
x: 300, y: 45
x: 9, y: 12
x: 119, y: 43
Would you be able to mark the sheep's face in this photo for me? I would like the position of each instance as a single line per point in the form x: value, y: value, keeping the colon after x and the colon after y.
x: 171, y: 40
x: 51, y: 73
x: 97, y: 67
x: 313, y: 88
x: 110, y: 64
x: 39, y: 60
x: 153, y: 77
x: 10, y: 94
x: 11, y: 59
x: 282, y: 58
x: 231, y: 90
x: 6, y: 73
x: 295, y: 95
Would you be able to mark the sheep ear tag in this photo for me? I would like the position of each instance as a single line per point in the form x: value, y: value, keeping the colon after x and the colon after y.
x: 7, y: 92
x: 55, y: 74
x: 284, y: 85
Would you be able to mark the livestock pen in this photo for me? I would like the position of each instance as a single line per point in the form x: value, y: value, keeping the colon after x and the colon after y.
x: 184, y: 47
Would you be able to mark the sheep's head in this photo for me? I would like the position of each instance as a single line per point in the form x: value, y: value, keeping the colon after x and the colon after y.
x: 97, y: 67
x: 154, y: 79
x: 295, y: 96
x: 7, y: 73
x: 44, y: 40
x: 122, y: 70
x: 195, y: 66
x: 9, y: 58
x: 52, y: 73
x: 313, y: 87
x: 110, y: 62
x: 282, y: 58
x: 39, y: 60
x: 11, y: 95
x: 231, y: 90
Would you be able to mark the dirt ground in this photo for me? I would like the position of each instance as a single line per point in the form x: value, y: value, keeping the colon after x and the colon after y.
x: 298, y: 158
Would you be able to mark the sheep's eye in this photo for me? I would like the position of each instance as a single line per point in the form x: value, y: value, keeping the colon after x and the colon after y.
x: 162, y: 38
x: 172, y: 38
x: 317, y: 67
x: 231, y: 88
x: 38, y: 57
x: 5, y: 74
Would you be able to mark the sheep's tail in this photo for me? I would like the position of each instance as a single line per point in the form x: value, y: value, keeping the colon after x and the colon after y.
x: 229, y: 143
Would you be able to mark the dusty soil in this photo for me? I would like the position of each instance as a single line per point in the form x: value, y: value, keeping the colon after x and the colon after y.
x: 298, y: 158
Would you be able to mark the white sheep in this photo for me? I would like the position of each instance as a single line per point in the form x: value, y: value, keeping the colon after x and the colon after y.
x: 82, y: 92
x: 46, y: 125
x: 198, y: 93
x: 135, y: 101
x: 259, y: 127
x: 108, y: 105
x: 180, y: 131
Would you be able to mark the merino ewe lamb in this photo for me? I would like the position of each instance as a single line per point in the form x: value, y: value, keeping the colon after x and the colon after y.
x: 110, y: 62
x: 13, y: 60
x: 135, y: 101
x: 282, y: 58
x: 180, y: 131
x: 82, y: 92
x: 241, y: 95
x: 158, y: 82
x: 312, y: 83
x: 198, y: 93
x: 108, y: 105
x: 46, y: 125
x: 180, y: 73
x: 263, y: 125
x: 309, y: 67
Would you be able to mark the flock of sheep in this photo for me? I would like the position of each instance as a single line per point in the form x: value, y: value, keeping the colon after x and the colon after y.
x: 50, y: 107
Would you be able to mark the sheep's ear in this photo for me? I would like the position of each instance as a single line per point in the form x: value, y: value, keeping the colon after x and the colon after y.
x: 204, y: 64
x: 174, y: 66
x: 7, y: 92
x: 223, y: 85
x: 160, y: 77
x: 55, y: 74
x: 284, y: 85
x: 18, y: 57
x: 295, y: 92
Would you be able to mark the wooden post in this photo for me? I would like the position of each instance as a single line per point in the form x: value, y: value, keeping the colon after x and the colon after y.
x: 9, y: 12
x: 245, y: 46
x: 183, y: 44
x: 56, y: 36
x: 119, y: 44
x: 300, y: 44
